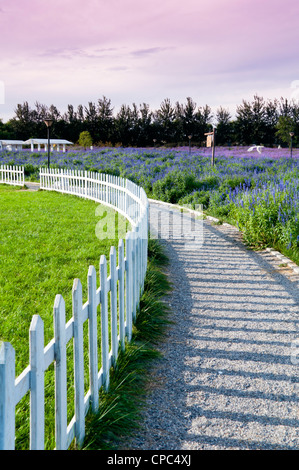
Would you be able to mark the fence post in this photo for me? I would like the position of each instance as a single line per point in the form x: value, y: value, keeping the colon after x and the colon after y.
x: 129, y: 286
x: 93, y: 347
x: 104, y: 322
x: 134, y: 275
x: 114, y: 332
x: 78, y: 362
x: 138, y: 259
x: 7, y: 399
x: 60, y: 374
x: 37, y: 396
x: 85, y: 183
x: 121, y: 293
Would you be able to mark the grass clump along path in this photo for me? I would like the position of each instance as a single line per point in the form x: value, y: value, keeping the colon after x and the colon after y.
x: 119, y: 414
x: 47, y: 240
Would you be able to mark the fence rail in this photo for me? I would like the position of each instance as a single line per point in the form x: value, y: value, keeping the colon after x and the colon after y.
x: 125, y: 284
x: 12, y: 175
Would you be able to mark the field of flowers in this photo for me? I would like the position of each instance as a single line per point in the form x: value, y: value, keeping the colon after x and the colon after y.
x: 258, y: 192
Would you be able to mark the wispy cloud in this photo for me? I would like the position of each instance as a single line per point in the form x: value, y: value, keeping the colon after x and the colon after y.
x: 121, y: 68
x: 150, y: 51
x: 71, y: 53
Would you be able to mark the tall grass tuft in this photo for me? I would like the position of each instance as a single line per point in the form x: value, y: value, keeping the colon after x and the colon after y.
x: 120, y: 408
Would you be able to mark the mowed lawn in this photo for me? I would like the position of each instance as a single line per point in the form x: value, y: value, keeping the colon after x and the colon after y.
x: 47, y: 240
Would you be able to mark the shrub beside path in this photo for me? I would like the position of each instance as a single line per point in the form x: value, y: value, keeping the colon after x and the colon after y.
x: 228, y: 376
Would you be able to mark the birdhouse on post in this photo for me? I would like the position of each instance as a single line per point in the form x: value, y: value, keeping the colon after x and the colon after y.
x: 211, y: 143
x: 210, y: 139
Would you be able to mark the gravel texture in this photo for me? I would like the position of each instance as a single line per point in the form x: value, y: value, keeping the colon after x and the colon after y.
x: 228, y: 377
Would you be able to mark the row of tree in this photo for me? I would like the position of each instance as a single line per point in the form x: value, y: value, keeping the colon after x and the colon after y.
x: 259, y: 121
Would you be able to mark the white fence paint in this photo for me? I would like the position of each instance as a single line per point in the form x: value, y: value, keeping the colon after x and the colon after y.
x: 124, y: 282
x: 12, y: 175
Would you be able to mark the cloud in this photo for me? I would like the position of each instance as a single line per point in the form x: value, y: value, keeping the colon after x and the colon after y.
x: 118, y: 68
x: 150, y: 51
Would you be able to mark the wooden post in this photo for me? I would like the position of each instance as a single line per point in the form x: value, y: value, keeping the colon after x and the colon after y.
x: 114, y: 332
x: 121, y: 293
x: 138, y: 264
x: 78, y: 362
x: 7, y: 396
x: 213, y: 148
x: 211, y: 143
x: 129, y: 286
x: 37, y: 393
x: 134, y: 276
x: 104, y: 322
x: 93, y: 347
x: 60, y: 374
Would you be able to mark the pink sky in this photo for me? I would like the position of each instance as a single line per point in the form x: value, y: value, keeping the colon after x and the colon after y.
x: 217, y: 51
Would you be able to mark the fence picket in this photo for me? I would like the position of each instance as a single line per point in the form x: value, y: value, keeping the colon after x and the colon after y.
x: 121, y: 293
x: 93, y: 338
x: 37, y: 395
x: 113, y: 299
x: 60, y: 374
x: 129, y: 286
x: 78, y: 362
x: 7, y: 396
x: 104, y: 321
x: 133, y: 276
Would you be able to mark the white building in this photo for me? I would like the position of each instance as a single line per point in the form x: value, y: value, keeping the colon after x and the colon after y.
x: 55, y: 144
x: 12, y: 144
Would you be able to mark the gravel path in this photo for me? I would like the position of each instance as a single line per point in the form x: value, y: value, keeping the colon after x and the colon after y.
x: 228, y: 378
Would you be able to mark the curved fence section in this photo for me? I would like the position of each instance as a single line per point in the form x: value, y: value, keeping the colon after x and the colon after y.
x: 118, y: 295
x: 121, y: 194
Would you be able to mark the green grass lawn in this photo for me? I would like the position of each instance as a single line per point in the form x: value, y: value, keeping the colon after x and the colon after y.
x: 47, y: 240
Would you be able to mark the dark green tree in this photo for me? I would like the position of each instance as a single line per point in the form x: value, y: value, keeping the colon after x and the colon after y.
x: 105, y: 120
x: 271, y: 119
x: 22, y: 124
x: 203, y: 117
x: 6, y: 131
x: 186, y: 120
x: 251, y: 121
x: 284, y: 126
x: 123, y: 125
x: 145, y: 136
x: 91, y: 120
x: 164, y: 122
x: 224, y: 126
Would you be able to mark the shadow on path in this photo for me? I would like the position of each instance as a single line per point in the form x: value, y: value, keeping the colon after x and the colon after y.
x: 227, y: 379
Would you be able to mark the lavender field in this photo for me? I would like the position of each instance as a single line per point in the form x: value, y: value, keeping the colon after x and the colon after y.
x: 258, y: 192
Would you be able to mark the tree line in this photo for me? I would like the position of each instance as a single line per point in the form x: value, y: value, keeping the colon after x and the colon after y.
x: 256, y: 122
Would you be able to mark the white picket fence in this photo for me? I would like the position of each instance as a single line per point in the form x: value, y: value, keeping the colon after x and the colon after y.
x: 125, y: 284
x: 12, y: 175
